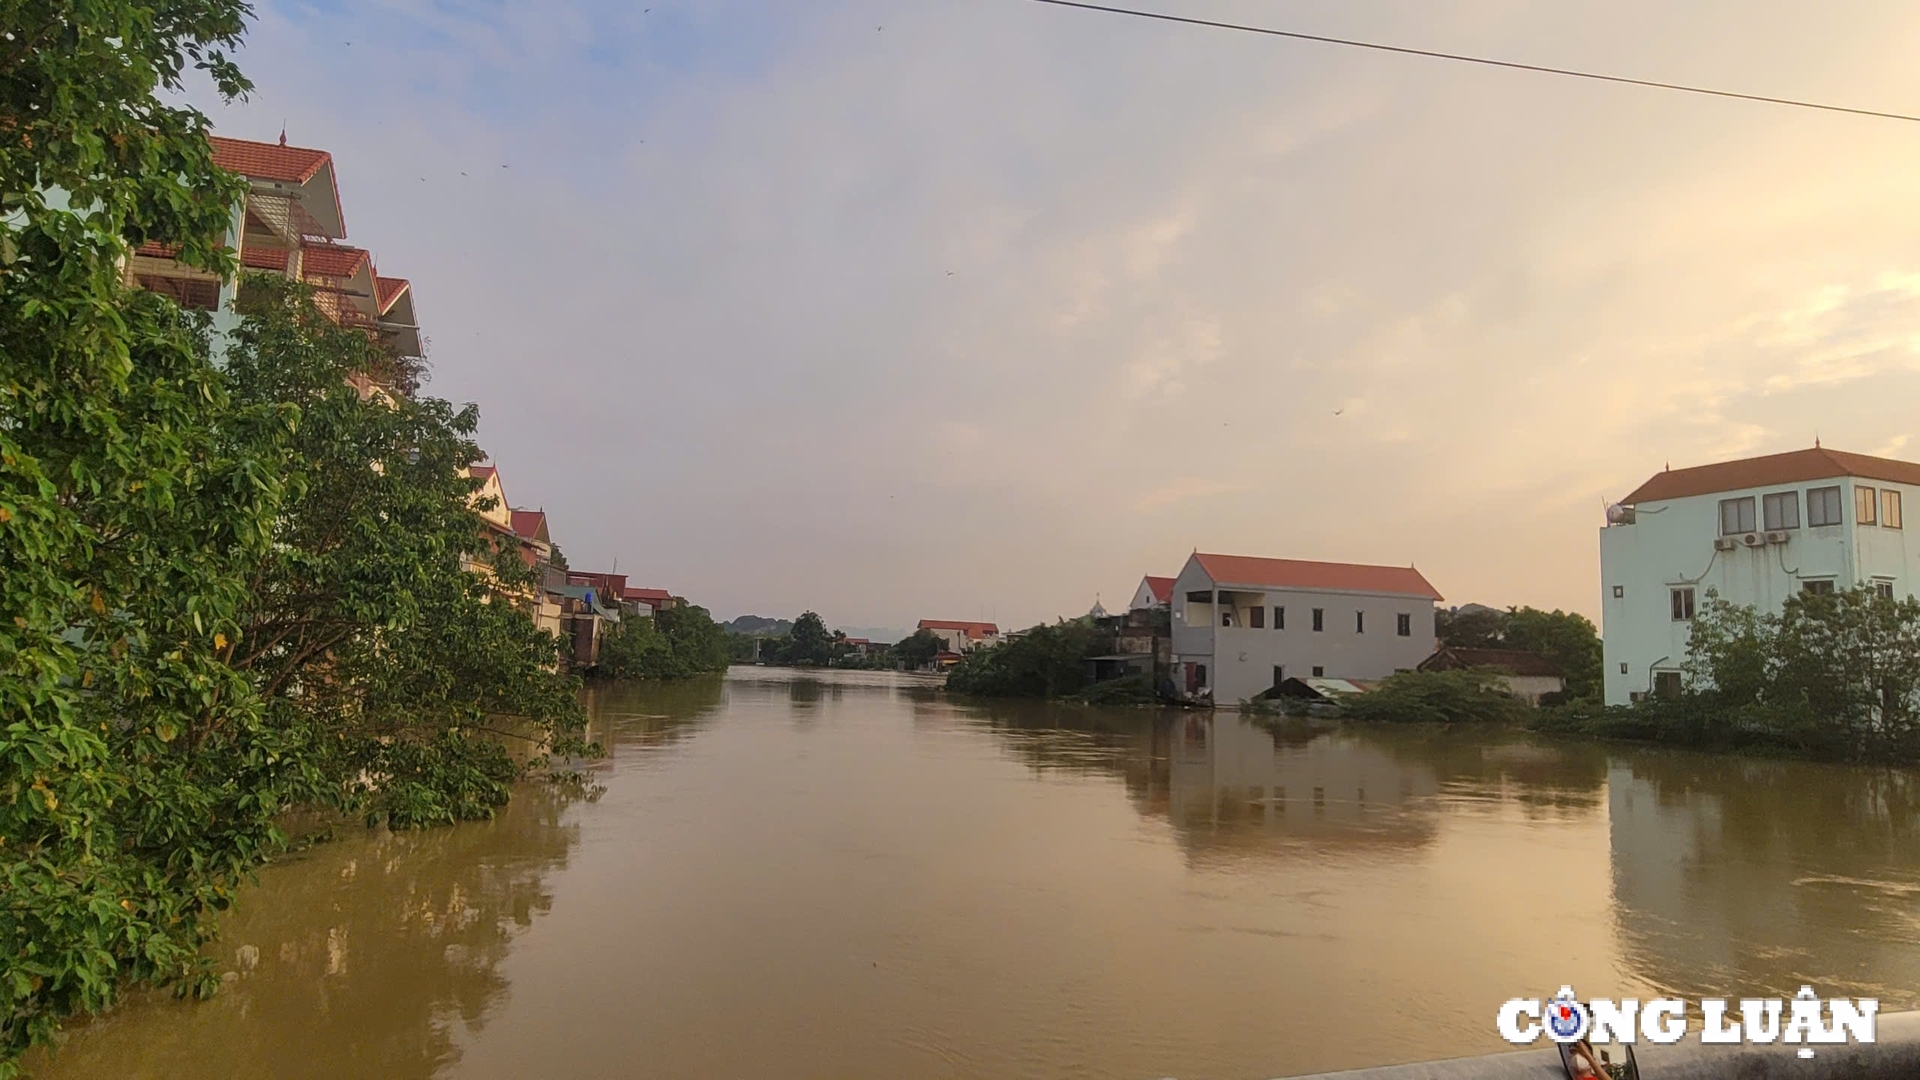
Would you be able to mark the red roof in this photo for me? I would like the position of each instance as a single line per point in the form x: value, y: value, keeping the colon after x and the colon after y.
x: 268, y: 161
x: 1792, y: 467
x: 1301, y: 574
x: 974, y: 630
x: 264, y: 258
x: 857, y: 641
x: 332, y: 260
x: 647, y: 595
x: 387, y: 290
x: 1161, y: 588
x: 531, y: 524
x: 481, y: 472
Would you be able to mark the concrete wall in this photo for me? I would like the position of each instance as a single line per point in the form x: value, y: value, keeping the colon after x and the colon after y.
x: 1670, y: 545
x: 1240, y: 659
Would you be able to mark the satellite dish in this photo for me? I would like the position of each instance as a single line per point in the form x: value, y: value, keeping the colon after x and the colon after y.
x: 1619, y: 514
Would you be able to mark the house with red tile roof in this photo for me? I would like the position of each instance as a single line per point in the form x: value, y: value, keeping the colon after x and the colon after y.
x: 1154, y: 592
x: 960, y: 638
x: 1754, y: 530
x: 649, y: 601
x: 1244, y: 624
x: 291, y: 224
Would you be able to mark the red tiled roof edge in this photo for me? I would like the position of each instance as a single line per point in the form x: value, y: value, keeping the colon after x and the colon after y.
x: 1792, y: 467
x: 1305, y: 574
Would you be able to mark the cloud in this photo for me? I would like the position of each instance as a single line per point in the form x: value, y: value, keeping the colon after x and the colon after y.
x: 786, y: 313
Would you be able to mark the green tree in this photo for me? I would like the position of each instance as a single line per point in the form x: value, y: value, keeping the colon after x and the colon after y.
x: 1045, y: 662
x: 918, y: 649
x: 1437, y: 697
x: 128, y: 505
x: 678, y: 643
x: 1471, y: 627
x: 809, y: 642
x: 1569, y: 639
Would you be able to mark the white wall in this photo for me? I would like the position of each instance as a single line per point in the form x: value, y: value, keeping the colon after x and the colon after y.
x: 1240, y: 659
x: 1670, y: 546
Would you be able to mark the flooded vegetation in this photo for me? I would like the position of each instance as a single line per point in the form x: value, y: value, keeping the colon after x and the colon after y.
x: 847, y: 874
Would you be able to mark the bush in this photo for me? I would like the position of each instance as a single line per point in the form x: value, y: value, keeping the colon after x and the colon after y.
x: 1044, y: 662
x: 677, y: 643
x: 1437, y: 697
x: 1133, y: 689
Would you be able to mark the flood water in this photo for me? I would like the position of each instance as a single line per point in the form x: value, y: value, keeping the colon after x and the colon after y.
x: 848, y: 875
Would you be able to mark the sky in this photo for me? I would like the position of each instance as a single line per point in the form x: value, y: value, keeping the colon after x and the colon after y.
x: 902, y: 309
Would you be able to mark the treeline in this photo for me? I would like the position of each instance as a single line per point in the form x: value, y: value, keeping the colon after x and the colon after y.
x: 1834, y: 676
x: 1048, y: 661
x: 1569, y: 639
x: 676, y: 643
x: 226, y: 589
x: 806, y: 642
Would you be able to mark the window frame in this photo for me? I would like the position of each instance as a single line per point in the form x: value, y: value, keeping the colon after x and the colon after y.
x: 1866, y: 505
x: 1839, y: 508
x: 1279, y: 616
x: 1751, y: 508
x: 1769, y: 504
x: 1257, y: 617
x: 1680, y: 600
x: 1882, y: 587
x: 1817, y: 586
x: 1319, y: 620
x: 1403, y: 625
x: 1891, y: 512
x: 1359, y: 622
x: 1319, y: 672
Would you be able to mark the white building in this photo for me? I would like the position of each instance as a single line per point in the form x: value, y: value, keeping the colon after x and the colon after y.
x: 1154, y: 592
x: 1755, y: 531
x: 1241, y: 625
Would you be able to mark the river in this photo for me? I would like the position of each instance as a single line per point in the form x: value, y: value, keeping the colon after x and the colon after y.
x: 848, y: 875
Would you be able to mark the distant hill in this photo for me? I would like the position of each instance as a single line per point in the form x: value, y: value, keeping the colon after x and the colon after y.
x: 757, y: 626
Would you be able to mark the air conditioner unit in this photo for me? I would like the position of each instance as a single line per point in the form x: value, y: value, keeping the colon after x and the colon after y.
x: 1724, y: 543
x: 1779, y: 536
x: 1753, y: 540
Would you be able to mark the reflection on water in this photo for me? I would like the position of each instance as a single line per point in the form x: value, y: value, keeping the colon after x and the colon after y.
x: 845, y: 874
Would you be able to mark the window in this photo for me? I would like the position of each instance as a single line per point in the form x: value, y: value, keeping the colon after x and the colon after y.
x: 1666, y: 684
x: 1820, y: 587
x: 1319, y: 620
x: 1781, y: 510
x: 1623, y: 669
x: 1359, y: 622
x: 1257, y: 618
x: 1200, y: 676
x: 1889, y: 508
x: 1682, y: 605
x: 1279, y: 675
x: 1883, y: 589
x: 1736, y: 516
x: 1619, y: 591
x: 1319, y: 671
x: 1226, y: 616
x: 1823, y: 506
x: 1404, y: 626
x: 1279, y: 618
x: 1863, y: 501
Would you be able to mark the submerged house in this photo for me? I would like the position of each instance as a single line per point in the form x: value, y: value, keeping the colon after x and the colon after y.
x: 1526, y: 675
x: 1243, y: 625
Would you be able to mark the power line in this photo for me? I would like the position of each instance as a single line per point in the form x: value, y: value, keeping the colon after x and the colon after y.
x: 1484, y: 61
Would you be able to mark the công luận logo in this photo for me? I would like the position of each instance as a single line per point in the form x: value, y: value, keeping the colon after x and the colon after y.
x: 1804, y: 1019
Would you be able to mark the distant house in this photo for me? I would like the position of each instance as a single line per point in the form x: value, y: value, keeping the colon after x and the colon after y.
x: 1529, y: 675
x: 1243, y: 625
x: 648, y: 602
x: 1154, y: 592
x: 960, y: 638
x: 585, y: 615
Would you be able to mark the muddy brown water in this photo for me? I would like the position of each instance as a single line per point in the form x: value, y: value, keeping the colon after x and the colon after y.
x: 848, y: 875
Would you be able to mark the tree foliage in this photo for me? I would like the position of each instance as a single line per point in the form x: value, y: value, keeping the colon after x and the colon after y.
x: 676, y: 643
x: 1567, y: 638
x: 918, y: 649
x: 1437, y: 697
x: 1046, y: 661
x: 222, y: 592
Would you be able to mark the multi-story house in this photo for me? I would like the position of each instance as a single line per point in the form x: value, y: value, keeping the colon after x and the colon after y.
x: 1243, y: 625
x: 290, y: 223
x: 1754, y: 532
